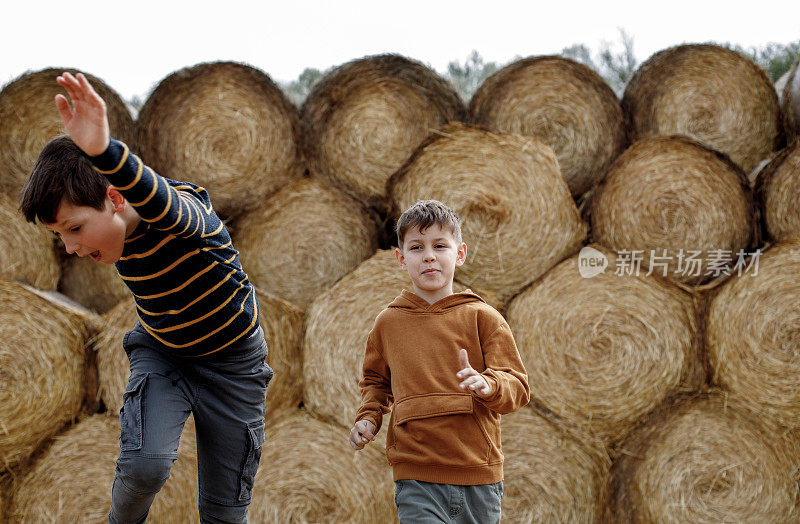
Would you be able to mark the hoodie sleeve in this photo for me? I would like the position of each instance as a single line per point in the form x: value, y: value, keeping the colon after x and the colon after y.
x: 376, y: 389
x: 505, y: 372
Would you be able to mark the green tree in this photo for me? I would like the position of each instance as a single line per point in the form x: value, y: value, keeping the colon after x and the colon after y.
x: 298, y: 90
x: 467, y: 77
x: 615, y: 65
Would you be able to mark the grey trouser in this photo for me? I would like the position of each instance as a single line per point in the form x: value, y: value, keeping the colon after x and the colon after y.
x: 428, y: 503
x: 227, y: 396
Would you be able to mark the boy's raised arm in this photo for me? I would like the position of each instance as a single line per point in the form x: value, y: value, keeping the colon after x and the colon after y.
x: 86, y: 120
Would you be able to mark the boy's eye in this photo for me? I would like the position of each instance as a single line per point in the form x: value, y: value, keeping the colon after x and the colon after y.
x: 413, y: 248
x: 74, y: 229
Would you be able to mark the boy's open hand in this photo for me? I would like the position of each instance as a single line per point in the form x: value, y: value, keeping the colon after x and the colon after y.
x: 363, y: 433
x: 470, y: 378
x: 86, y: 121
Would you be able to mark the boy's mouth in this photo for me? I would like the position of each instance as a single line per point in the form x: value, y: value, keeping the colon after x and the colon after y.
x: 430, y: 271
x: 95, y: 256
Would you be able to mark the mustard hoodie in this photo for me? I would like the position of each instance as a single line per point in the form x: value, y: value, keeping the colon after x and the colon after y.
x: 439, y: 432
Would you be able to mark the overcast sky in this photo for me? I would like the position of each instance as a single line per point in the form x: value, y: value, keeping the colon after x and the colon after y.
x: 134, y: 45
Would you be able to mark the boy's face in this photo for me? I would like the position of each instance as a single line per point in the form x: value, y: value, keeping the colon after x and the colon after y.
x: 86, y: 231
x: 430, y: 258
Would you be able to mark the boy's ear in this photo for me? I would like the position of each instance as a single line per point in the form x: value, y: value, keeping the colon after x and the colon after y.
x: 401, y: 259
x: 116, y: 198
x: 461, y: 256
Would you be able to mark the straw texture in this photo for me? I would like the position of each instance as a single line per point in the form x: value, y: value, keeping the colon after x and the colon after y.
x: 320, y: 478
x: 753, y: 335
x: 41, y: 371
x: 703, y: 460
x: 364, y: 118
x: 518, y: 217
x: 669, y: 196
x: 790, y: 103
x: 96, y: 286
x: 776, y: 190
x: 26, y: 250
x: 564, y: 104
x: 551, y: 474
x: 337, y: 234
x: 717, y: 96
x: 28, y: 119
x: 604, y: 351
x: 225, y: 126
x: 71, y: 481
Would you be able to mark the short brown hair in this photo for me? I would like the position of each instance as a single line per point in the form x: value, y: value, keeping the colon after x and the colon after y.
x: 425, y: 213
x: 62, y: 172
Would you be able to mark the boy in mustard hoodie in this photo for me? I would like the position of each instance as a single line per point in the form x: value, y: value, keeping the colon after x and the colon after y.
x: 449, y: 364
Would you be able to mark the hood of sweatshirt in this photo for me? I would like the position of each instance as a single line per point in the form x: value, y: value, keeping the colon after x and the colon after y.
x: 410, y: 302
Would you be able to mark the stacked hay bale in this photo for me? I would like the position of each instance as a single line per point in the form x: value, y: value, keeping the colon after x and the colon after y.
x: 333, y: 483
x: 564, y: 104
x: 71, y: 481
x: 96, y: 286
x: 303, y: 239
x: 670, y: 197
x: 364, y: 118
x: 26, y: 250
x: 790, y: 102
x: 605, y: 350
x: 753, y: 333
x: 551, y: 472
x: 41, y: 371
x: 518, y: 217
x: 28, y: 119
x: 224, y: 126
x: 714, y: 95
x: 777, y: 187
x: 702, y: 459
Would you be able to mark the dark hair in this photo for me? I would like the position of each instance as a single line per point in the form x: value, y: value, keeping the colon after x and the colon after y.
x: 62, y: 172
x: 425, y: 213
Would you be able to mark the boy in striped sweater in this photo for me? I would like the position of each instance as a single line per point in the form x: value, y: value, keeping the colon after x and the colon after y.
x: 197, y: 346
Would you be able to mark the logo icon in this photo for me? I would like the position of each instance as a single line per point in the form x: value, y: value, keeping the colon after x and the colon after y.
x: 591, y: 262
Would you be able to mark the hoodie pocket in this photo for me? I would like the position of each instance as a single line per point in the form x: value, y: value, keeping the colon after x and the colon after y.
x: 439, y: 428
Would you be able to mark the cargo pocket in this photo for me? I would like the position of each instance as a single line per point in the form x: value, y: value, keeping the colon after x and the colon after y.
x: 255, y: 432
x: 130, y: 416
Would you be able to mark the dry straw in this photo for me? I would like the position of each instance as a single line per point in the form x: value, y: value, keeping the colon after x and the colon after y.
x: 41, y: 371
x: 71, y: 481
x: 715, y: 95
x: 605, y: 350
x: 225, y: 126
x: 28, y: 119
x: 776, y: 190
x: 564, y: 104
x: 684, y: 207
x: 96, y: 286
x: 26, y: 250
x: 303, y: 239
x: 551, y: 473
x: 790, y: 102
x: 703, y: 460
x: 364, y: 118
x: 753, y: 334
x: 320, y: 478
x: 283, y: 329
x: 519, y: 219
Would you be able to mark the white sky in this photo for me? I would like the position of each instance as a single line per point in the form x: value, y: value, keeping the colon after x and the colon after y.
x: 134, y: 45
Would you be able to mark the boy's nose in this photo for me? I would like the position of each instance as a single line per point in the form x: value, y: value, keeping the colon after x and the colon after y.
x: 71, y: 247
x: 429, y: 257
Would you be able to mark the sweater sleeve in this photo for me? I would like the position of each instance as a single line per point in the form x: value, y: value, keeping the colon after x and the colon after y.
x: 504, y: 372
x: 180, y: 213
x: 376, y: 389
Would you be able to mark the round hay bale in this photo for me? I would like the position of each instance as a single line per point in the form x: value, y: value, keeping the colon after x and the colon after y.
x: 564, y: 104
x: 670, y: 197
x: 703, y: 460
x: 714, y: 95
x: 225, y: 126
x: 332, y: 483
x: 519, y: 219
x: 551, y: 474
x: 28, y: 119
x: 753, y: 334
x: 283, y: 329
x: 776, y: 190
x: 94, y: 286
x: 605, y: 350
x: 790, y: 102
x: 41, y: 371
x: 71, y: 481
x: 364, y: 118
x: 337, y: 234
x: 26, y: 250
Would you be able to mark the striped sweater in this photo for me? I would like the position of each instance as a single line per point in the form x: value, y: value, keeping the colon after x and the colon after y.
x: 191, y: 293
